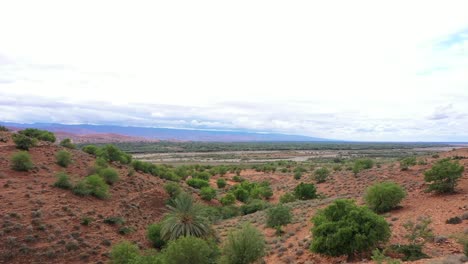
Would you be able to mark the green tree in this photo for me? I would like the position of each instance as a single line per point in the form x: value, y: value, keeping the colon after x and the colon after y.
x: 444, y: 176
x: 191, y: 250
x: 21, y: 161
x: 343, y: 228
x: 185, y: 218
x: 207, y: 193
x: 23, y: 142
x: 244, y: 246
x: 383, y: 197
x: 63, y: 158
x: 278, y: 216
x: 305, y: 191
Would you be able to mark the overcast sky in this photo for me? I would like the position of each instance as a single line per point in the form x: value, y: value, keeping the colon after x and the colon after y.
x: 357, y: 70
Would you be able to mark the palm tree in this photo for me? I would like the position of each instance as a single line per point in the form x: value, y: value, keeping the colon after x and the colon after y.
x: 186, y: 218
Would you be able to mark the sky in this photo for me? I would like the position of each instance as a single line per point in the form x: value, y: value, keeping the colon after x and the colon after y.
x: 350, y: 70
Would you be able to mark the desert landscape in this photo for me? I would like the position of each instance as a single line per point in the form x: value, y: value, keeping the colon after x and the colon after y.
x: 43, y: 223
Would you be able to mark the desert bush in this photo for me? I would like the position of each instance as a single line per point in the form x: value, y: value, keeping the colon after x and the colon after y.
x: 90, y: 149
x: 253, y: 206
x: 92, y: 185
x: 237, y: 178
x: 362, y: 164
x: 229, y: 211
x: 221, y: 183
x: 185, y: 218
x: 207, y: 193
x: 23, y: 142
x: 407, y: 162
x: 63, y: 181
x: 173, y: 189
x: 444, y: 176
x: 343, y: 228
x: 454, y: 220
x: 112, y: 153
x: 21, y: 161
x: 228, y: 199
x: 38, y: 134
x: 278, y: 216
x: 197, y: 183
x: 203, y: 175
x: 114, y: 220
x: 411, y: 252
x: 244, y: 246
x: 305, y: 191
x: 154, y: 235
x: 67, y: 143
x: 321, y: 174
x: 287, y: 198
x: 63, y: 158
x: 383, y: 197
x: 191, y: 250
x: 241, y: 194
x: 297, y: 175
x: 4, y: 129
x: 124, y: 253
x: 109, y: 175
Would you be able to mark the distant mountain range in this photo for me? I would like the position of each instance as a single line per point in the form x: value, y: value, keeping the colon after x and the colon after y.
x: 89, y: 133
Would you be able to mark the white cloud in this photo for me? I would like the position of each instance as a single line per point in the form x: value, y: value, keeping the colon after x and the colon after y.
x: 352, y: 70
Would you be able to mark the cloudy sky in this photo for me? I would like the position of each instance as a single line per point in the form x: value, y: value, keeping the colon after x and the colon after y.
x: 357, y: 70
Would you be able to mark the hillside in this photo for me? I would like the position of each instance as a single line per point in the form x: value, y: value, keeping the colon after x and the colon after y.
x: 45, y: 224
x: 42, y: 224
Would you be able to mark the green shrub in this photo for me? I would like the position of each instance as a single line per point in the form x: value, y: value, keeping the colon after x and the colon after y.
x: 154, y: 235
x: 207, y: 193
x: 454, y: 220
x: 343, y: 228
x: 221, y: 183
x: 287, y: 198
x: 410, y: 252
x: 244, y: 246
x: 229, y: 211
x: 4, y: 129
x: 228, y: 199
x: 362, y: 164
x: 321, y: 174
x: 297, y: 175
x: 86, y: 220
x: 124, y: 253
x: 189, y: 249
x: 63, y: 158
x: 444, y: 176
x: 23, y: 142
x: 81, y: 189
x: 114, y: 220
x: 241, y: 194
x: 63, y: 181
x: 197, y: 183
x: 173, y: 189
x: 21, y: 161
x: 92, y: 185
x: 38, y: 134
x: 201, y: 175
x: 90, y: 149
x: 407, y: 162
x: 305, y: 191
x: 253, y: 206
x: 109, y: 175
x: 383, y: 197
x: 67, y: 143
x: 278, y: 216
x: 237, y: 178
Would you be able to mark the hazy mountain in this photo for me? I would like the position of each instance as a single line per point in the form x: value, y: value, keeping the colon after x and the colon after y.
x: 165, y: 133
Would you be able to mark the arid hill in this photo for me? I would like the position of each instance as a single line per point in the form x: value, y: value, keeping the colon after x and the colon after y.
x: 41, y: 223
